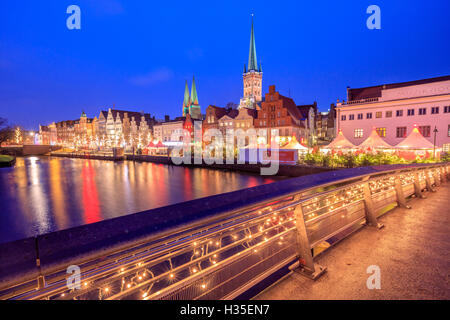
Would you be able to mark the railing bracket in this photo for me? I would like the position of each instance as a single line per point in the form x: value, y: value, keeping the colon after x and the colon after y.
x: 311, y: 274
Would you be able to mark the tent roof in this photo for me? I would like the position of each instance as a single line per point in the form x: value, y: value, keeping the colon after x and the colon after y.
x: 415, y: 140
x: 294, y: 144
x: 374, y: 141
x: 340, y: 142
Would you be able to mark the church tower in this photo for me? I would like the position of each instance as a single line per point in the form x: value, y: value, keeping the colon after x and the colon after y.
x: 252, y: 75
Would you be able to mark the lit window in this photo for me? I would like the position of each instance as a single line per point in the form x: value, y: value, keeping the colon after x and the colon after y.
x: 381, y: 132
x: 359, y: 133
x: 378, y: 114
x: 388, y: 114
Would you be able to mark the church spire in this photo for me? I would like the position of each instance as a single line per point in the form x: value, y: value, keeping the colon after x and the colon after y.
x: 252, y: 63
x: 187, y: 99
x: 194, y: 97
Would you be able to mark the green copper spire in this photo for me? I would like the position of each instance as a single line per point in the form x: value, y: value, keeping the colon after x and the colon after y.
x: 187, y: 100
x: 252, y: 63
x: 194, y: 97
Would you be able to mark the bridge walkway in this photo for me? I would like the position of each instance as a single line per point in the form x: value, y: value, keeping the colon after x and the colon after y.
x: 412, y: 251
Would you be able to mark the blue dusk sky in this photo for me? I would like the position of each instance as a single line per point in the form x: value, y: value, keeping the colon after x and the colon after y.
x: 138, y: 54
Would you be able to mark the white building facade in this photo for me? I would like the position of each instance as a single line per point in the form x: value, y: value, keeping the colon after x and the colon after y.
x: 394, y: 109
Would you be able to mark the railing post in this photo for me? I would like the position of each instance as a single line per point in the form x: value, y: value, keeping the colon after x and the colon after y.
x: 443, y: 172
x: 401, y: 200
x: 417, y: 188
x: 371, y: 217
x: 428, y: 181
x: 41, y: 278
x: 437, y: 178
x: 447, y: 173
x: 307, y: 267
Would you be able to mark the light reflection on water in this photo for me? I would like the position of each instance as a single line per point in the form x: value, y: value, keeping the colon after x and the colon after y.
x: 40, y: 195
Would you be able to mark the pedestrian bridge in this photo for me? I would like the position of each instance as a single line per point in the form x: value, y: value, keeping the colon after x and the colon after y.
x: 228, y: 246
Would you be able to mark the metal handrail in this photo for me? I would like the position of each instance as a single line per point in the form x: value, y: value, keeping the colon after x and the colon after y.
x: 100, y: 273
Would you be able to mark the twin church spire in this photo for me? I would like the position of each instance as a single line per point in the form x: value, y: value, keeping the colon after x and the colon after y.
x: 190, y: 102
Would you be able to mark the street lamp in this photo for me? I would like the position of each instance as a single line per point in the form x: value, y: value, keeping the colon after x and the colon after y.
x: 434, y: 143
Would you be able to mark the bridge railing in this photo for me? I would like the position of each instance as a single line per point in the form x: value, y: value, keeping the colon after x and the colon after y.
x: 230, y: 254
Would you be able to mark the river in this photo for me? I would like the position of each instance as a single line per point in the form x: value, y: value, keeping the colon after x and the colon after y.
x: 44, y: 194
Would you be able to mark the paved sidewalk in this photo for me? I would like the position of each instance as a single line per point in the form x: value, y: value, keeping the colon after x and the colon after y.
x: 412, y: 251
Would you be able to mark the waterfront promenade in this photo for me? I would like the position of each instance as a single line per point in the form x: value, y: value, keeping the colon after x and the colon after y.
x: 412, y: 251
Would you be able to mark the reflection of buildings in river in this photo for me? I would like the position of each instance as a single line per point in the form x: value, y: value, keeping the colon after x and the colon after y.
x: 57, y: 193
x: 38, y: 201
x: 21, y: 181
x: 187, y: 182
x: 90, y: 196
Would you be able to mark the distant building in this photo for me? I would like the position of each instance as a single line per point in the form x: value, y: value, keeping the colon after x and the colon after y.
x: 213, y: 114
x: 84, y: 130
x: 279, y: 113
x: 325, y: 125
x: 65, y: 132
x: 119, y: 131
x: 393, y: 109
x: 101, y: 126
x: 309, y: 115
x: 226, y: 122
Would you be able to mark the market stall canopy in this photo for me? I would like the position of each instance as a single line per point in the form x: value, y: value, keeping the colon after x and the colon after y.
x: 374, y: 141
x: 151, y: 145
x: 340, y: 142
x: 415, y: 141
x: 294, y: 144
x: 159, y: 144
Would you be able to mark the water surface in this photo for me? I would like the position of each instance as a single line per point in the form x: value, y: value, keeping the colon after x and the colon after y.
x: 44, y: 194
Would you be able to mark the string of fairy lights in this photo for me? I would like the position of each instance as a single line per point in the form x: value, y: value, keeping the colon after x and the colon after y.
x: 154, y: 273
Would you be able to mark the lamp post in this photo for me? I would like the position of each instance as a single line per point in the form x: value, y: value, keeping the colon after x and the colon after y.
x: 434, y: 143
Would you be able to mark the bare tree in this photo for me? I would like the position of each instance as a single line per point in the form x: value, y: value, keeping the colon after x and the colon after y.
x: 231, y: 105
x: 6, y: 131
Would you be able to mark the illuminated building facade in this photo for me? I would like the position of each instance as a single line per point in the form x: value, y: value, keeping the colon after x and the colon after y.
x: 394, y: 109
x: 280, y: 114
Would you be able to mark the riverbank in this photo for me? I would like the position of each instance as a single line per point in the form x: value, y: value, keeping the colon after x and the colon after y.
x: 284, y: 170
x: 7, y: 161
